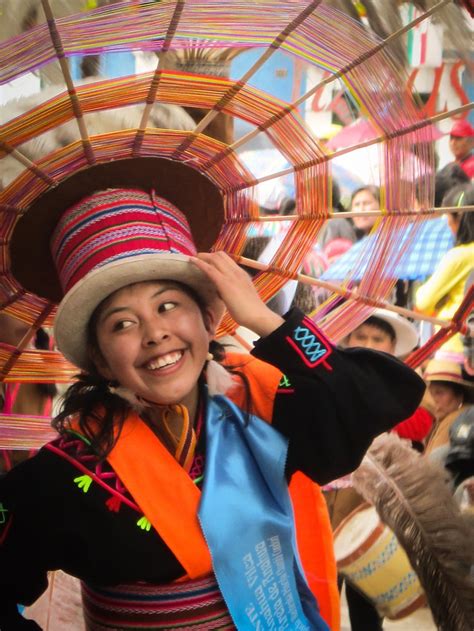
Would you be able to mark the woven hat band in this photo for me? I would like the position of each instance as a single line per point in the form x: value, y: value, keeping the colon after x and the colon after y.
x: 443, y: 376
x: 115, y: 225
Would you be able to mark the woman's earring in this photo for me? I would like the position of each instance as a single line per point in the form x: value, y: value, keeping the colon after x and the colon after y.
x: 219, y: 380
x: 130, y: 397
x: 209, y: 357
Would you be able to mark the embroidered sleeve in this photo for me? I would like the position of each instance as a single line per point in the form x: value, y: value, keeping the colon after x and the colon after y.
x: 331, y: 403
x: 298, y: 345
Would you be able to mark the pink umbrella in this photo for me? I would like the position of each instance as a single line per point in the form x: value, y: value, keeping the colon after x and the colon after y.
x: 362, y: 129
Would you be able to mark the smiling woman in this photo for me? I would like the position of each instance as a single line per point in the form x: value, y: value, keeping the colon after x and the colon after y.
x: 186, y: 458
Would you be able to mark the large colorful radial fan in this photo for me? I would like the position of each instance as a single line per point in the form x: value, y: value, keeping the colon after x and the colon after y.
x: 168, y: 123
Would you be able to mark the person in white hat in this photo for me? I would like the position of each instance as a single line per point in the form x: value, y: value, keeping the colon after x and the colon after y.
x: 385, y: 331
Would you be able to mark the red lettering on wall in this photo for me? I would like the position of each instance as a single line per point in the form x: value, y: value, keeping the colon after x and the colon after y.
x: 434, y: 105
x: 457, y: 85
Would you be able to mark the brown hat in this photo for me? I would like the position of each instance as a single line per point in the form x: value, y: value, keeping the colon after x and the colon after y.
x: 449, y: 371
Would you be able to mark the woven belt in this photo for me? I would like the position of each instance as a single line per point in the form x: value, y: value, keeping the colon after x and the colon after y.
x: 194, y: 605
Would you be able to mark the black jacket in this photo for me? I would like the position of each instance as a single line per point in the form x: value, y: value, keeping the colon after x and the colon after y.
x: 330, y: 404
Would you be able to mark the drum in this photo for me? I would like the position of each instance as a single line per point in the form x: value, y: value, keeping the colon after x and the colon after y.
x: 369, y: 556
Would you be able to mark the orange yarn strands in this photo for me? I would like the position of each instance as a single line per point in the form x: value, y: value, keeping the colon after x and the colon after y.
x: 312, y: 34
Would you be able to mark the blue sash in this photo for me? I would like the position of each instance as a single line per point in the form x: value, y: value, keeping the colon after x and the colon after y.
x: 247, y: 519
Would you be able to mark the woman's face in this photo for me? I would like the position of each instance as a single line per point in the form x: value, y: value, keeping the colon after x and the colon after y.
x: 363, y: 201
x: 446, y: 398
x: 460, y: 147
x: 153, y: 340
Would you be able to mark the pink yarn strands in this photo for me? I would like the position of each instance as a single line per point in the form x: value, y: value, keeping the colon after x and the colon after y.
x: 19, y: 431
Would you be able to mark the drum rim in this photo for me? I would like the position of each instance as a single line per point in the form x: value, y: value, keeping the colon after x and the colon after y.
x: 416, y: 604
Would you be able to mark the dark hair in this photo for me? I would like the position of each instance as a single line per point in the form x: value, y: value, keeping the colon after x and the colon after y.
x: 42, y: 343
x: 465, y: 232
x: 337, y: 204
x: 457, y: 195
x: 99, y: 412
x: 462, y: 195
x: 450, y: 176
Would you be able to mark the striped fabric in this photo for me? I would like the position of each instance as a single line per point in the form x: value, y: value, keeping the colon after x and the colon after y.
x: 113, y: 225
x: 194, y: 605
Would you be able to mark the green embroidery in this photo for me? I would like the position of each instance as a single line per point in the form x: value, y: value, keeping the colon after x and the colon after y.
x: 3, y: 513
x: 80, y: 436
x: 285, y: 382
x: 143, y: 523
x: 83, y: 482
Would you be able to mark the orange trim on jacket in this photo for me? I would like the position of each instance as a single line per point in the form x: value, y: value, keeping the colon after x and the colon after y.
x: 155, y: 480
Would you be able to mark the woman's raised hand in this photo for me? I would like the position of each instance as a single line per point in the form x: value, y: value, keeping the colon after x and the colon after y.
x: 236, y: 289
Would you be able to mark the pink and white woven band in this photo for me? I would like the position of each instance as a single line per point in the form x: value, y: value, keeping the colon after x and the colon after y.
x: 116, y: 225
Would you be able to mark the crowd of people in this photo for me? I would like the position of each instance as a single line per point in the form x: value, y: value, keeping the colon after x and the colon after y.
x: 442, y: 427
x: 193, y: 449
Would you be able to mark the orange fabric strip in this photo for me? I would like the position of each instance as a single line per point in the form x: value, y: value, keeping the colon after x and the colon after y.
x: 164, y: 491
x: 315, y: 545
x: 263, y: 381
